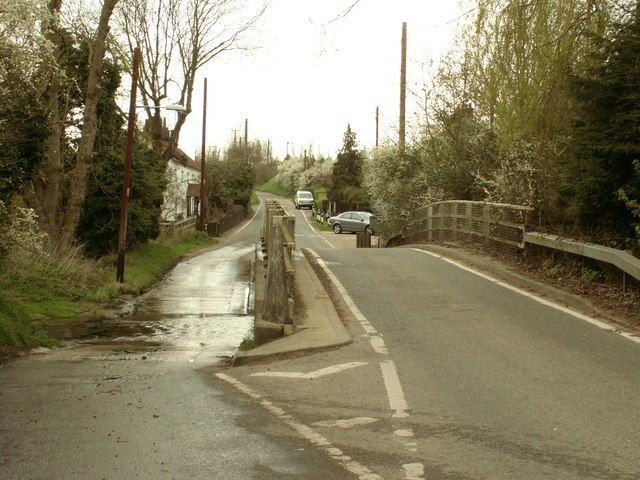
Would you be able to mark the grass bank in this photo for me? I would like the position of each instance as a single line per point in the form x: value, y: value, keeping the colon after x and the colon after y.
x: 273, y: 186
x: 35, y: 287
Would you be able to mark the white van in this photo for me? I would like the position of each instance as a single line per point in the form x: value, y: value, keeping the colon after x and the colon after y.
x: 304, y: 199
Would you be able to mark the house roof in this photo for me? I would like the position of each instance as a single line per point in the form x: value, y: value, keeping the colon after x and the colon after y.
x: 181, y: 157
x: 193, y: 190
x: 186, y: 160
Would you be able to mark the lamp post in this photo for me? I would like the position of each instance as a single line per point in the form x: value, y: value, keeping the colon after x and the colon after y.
x: 128, y: 153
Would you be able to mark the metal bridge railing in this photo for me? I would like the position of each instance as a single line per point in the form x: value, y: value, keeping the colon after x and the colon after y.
x: 494, y: 226
x: 502, y: 229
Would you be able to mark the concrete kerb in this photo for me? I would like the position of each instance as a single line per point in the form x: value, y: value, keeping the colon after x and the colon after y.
x: 317, y: 324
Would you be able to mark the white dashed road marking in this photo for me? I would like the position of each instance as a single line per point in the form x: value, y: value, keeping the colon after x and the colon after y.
x: 397, y: 401
x: 317, y: 440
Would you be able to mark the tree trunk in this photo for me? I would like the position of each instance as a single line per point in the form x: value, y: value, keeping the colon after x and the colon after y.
x: 58, y: 198
x: 44, y: 194
x: 79, y: 174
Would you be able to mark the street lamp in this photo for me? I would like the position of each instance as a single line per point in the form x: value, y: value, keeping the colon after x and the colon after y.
x: 124, y: 202
x: 176, y: 107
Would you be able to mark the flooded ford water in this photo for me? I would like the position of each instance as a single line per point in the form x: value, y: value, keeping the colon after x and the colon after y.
x: 203, y: 308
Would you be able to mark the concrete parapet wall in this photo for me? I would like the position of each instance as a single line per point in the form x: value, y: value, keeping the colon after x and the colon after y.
x: 275, y: 313
x: 496, y: 226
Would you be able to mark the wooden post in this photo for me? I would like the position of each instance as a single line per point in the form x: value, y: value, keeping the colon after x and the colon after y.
x: 203, y: 176
x: 124, y: 201
x: 276, y: 301
x: 377, y: 124
x: 363, y: 240
x: 246, y: 139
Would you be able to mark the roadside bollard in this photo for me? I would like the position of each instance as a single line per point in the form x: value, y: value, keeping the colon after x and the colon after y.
x: 363, y: 240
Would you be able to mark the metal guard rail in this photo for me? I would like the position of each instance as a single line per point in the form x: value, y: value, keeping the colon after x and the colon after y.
x: 500, y: 227
x: 621, y: 259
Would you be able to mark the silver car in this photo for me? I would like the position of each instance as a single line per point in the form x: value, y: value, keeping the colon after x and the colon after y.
x: 353, y: 222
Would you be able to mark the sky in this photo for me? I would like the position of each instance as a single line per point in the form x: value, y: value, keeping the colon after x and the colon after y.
x: 314, y: 71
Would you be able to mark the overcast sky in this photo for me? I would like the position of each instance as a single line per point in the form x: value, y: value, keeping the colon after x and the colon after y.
x: 315, y: 72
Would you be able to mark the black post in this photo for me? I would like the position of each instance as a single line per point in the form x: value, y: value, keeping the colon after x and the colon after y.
x: 124, y: 203
x: 203, y: 170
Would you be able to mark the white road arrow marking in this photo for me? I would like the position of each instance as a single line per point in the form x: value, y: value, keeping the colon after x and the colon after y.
x: 347, y: 423
x: 311, y: 375
x: 360, y: 471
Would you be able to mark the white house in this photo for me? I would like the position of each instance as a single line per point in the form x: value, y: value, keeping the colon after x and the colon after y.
x: 182, y: 196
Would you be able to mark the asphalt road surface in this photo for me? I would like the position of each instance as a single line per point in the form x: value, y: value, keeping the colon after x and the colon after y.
x: 455, y: 375
x: 451, y: 375
x: 135, y: 397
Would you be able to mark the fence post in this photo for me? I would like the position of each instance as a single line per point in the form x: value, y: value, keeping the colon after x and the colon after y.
x: 363, y: 240
x: 486, y: 223
x: 276, y: 303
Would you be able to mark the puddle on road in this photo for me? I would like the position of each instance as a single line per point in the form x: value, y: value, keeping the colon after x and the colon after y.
x: 188, y: 331
x: 202, y: 305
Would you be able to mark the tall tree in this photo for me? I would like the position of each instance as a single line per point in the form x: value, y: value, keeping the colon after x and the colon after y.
x: 57, y: 191
x: 100, y: 219
x: 515, y: 60
x: 511, y: 68
x: 177, y: 38
x: 346, y: 177
x: 230, y: 182
x: 604, y: 142
x: 22, y: 113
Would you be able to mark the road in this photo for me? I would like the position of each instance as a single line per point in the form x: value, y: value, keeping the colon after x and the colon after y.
x: 451, y: 375
x: 135, y: 397
x: 455, y: 375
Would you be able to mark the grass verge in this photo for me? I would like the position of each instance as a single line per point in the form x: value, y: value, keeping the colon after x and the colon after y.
x: 35, y: 288
x: 273, y: 186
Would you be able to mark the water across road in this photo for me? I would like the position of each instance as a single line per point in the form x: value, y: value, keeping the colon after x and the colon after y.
x: 201, y: 310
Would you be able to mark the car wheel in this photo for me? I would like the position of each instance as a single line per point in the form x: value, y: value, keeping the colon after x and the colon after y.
x: 367, y: 229
x: 337, y: 228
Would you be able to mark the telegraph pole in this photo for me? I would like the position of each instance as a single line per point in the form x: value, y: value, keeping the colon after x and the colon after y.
x: 203, y: 176
x: 403, y: 89
x: 128, y: 152
x: 246, y: 134
x: 377, y: 124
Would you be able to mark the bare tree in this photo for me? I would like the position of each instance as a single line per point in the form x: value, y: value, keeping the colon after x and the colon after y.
x: 177, y: 38
x: 345, y: 12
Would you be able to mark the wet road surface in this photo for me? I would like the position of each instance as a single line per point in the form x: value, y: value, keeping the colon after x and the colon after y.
x: 135, y: 397
x: 200, y: 311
